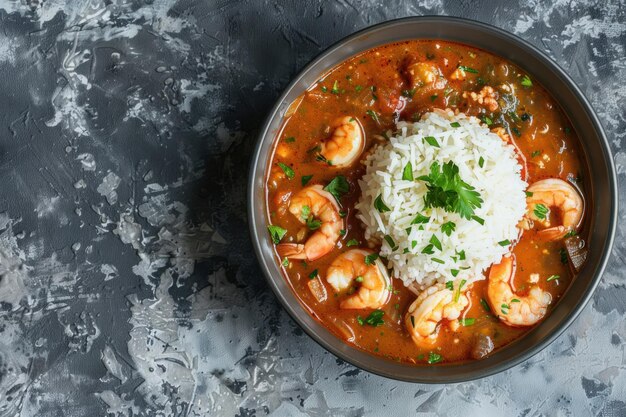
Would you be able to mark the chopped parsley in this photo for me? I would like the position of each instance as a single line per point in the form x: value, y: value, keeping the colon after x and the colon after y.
x: 285, y: 262
x: 420, y: 219
x: 390, y: 242
x: 450, y: 285
x: 290, y: 139
x: 428, y: 250
x: 563, y: 255
x: 407, y: 172
x: 505, y: 242
x: 467, y: 321
x: 454, y: 272
x: 374, y: 319
x: 448, y: 228
x: 324, y: 89
x: 468, y: 69
x: 528, y: 194
x: 408, y: 93
x: 277, y: 233
x: 379, y: 204
x: 479, y: 220
x: 287, y: 170
x: 439, y: 261
x: 359, y: 279
x: 373, y: 115
x: 571, y: 233
x: 485, y: 306
x: 305, y: 179
x: 481, y: 162
x: 434, y: 97
x: 338, y: 187
x: 352, y: 242
x: 515, y: 300
x: 540, y: 211
x: 435, y: 242
x: 335, y: 89
x: 447, y: 190
x: 313, y: 274
x: 552, y: 278
x: 526, y: 82
x: 487, y: 121
x: 461, y: 255
x: 313, y: 224
x: 432, y: 141
x: 458, y: 290
x: 535, y: 153
x: 358, y: 88
x: 342, y: 232
x: 504, y: 308
x: 434, y: 358
x: 371, y: 258
x: 455, y: 124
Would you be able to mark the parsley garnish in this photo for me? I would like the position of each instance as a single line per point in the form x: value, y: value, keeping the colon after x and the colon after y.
x: 540, y: 211
x: 504, y: 307
x: 380, y: 205
x: 481, y: 162
x: 290, y: 139
x: 526, y: 82
x: 408, y: 93
x: 487, y: 121
x: 458, y: 290
x: 359, y: 279
x: 428, y: 250
x: 455, y: 124
x: 571, y: 233
x: 305, y: 179
x: 287, y: 170
x: 454, y: 272
x: 467, y: 321
x: 338, y: 187
x: 552, y: 278
x: 390, y: 242
x: 352, y: 242
x: 505, y: 242
x: 535, y: 153
x: 313, y: 274
x: 485, y: 305
x: 432, y: 141
x: 434, y: 358
x: 420, y: 219
x: 563, y: 255
x: 335, y: 89
x: 447, y: 190
x: 450, y: 285
x: 285, y: 262
x: 373, y: 115
x: 434, y: 97
x: 461, y: 255
x: 407, y: 172
x: 313, y: 224
x: 435, y: 242
x: 468, y: 69
x: 375, y: 319
x: 439, y: 261
x: 448, y: 228
x: 277, y: 233
x: 528, y: 194
x: 371, y: 258
x: 479, y: 220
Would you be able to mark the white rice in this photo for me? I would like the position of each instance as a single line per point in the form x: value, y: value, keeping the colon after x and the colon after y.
x: 498, y: 181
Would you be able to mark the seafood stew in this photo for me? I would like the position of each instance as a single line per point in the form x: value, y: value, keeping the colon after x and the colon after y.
x: 340, y: 245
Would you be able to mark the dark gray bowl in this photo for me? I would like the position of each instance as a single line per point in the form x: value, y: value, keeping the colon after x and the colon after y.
x: 600, y: 187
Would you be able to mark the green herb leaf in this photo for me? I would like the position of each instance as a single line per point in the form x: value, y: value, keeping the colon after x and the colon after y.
x: 338, y: 187
x: 359, y: 279
x: 458, y: 290
x: 420, y: 219
x: 277, y: 233
x: 358, y: 88
x: 571, y: 233
x: 352, y: 242
x: 375, y: 318
x: 285, y: 262
x: 435, y: 242
x: 481, y: 162
x: 483, y: 303
x: 479, y: 220
x: 461, y: 255
x: 287, y: 170
x: 390, y: 242
x: 305, y: 179
x: 528, y: 194
x: 552, y: 278
x: 335, y: 89
x: 290, y: 139
x: 563, y: 256
x: 324, y: 89
x: 313, y: 224
x: 448, y: 228
x: 371, y: 258
x: 407, y: 172
x: 408, y: 93
x: 467, y: 321
x: 487, y: 121
x: 447, y: 190
x: 380, y: 205
x: 526, y: 82
x: 505, y: 242
x: 359, y: 320
x: 504, y: 308
x: 439, y: 261
x: 434, y: 358
x: 373, y: 115
x: 434, y: 97
x: 540, y: 211
x: 515, y: 300
x: 428, y: 250
x: 468, y: 69
x: 313, y: 274
x: 432, y: 141
x: 454, y: 272
x: 450, y: 285
x: 535, y: 153
x: 305, y: 212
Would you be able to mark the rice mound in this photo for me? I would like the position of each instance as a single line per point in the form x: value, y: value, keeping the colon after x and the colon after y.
x: 498, y: 181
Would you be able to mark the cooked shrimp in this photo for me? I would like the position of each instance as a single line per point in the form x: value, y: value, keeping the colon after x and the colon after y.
x: 314, y: 201
x: 345, y: 144
x: 434, y: 304
x: 513, y: 309
x: 487, y: 97
x: 374, y: 282
x: 422, y: 74
x: 557, y: 194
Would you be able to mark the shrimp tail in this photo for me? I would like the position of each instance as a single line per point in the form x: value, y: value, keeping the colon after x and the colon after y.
x: 291, y: 250
x: 553, y: 233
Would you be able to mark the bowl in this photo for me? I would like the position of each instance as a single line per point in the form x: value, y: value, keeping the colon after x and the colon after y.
x: 600, y: 181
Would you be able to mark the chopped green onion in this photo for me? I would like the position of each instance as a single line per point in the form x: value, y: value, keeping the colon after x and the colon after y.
x: 468, y: 69
x: 526, y: 82
x: 552, y: 278
x: 287, y: 170
x: 352, y: 242
x: 540, y: 211
x: 432, y: 141
x: 371, y: 258
x: 505, y: 242
x: 467, y: 321
x: 373, y: 115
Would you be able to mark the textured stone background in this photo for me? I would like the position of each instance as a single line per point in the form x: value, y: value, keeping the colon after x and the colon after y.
x: 128, y: 284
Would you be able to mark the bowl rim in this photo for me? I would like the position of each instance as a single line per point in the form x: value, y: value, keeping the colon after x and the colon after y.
x: 265, y: 134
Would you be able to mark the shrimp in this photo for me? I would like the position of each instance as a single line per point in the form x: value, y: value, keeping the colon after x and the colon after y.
x: 558, y: 194
x: 345, y: 144
x: 512, y: 309
x: 433, y: 305
x: 373, y: 291
x: 314, y: 201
